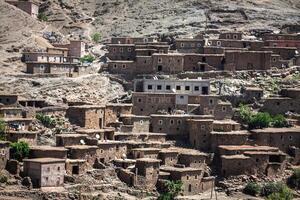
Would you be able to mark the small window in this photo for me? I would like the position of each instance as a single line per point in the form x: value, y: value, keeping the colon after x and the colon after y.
x: 178, y: 121
x: 182, y: 44
x: 160, y: 122
x: 58, y: 168
x: 196, y: 176
x: 211, y: 102
x: 187, y: 177
x: 149, y: 87
x: 159, y: 87
x: 223, y: 108
x: 235, y: 36
x: 139, y: 100
x: 192, y: 44
x: 171, y: 121
x: 178, y: 87
x: 141, y: 122
x: 291, y: 137
x: 115, y: 65
x: 124, y: 66
x: 114, y: 49
x: 181, y: 97
x: 202, y: 127
x: 42, y: 67
x: 168, y: 87
x: 187, y: 88
x: 129, y: 49
x: 219, y: 43
x: 198, y: 44
x: 196, y: 88
x: 159, y: 60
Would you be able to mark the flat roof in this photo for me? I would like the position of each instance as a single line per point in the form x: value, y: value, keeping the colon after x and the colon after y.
x: 45, y: 160
x: 73, y: 135
x: 263, y: 153
x: 119, y: 104
x: 139, y: 133
x: 240, y: 132
x: 233, y: 157
x: 88, y: 106
x: 48, y: 148
x: 278, y: 130
x: 248, y: 147
x: 81, y: 147
x: 178, y: 169
x: 225, y: 121
x: 83, y: 130
x: 253, y: 88
x: 151, y: 160
x: 146, y: 149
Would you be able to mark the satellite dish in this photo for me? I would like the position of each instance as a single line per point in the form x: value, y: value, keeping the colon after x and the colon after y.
x: 297, y: 52
x: 98, y: 136
x: 82, y: 142
x: 123, y: 156
x: 173, y: 90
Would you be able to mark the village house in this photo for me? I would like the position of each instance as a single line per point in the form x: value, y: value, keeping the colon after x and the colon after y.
x: 4, y: 152
x: 113, y: 111
x: 76, y: 166
x: 141, y: 136
x: 85, y: 152
x: 110, y: 149
x: 76, y: 48
x: 134, y: 123
x: 69, y: 139
x: 231, y: 35
x: 106, y: 133
x: 252, y: 93
x: 29, y: 137
x: 11, y: 112
x: 42, y: 151
x: 87, y: 116
x: 9, y: 99
x: 45, y: 172
x: 189, y: 45
x: 29, y: 7
x: 144, y: 153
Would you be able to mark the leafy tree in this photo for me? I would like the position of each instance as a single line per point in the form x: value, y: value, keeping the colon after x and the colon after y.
x: 279, y: 121
x: 172, y: 190
x: 260, y: 120
x: 46, y: 120
x: 42, y: 17
x: 294, y: 180
x: 96, y: 37
x: 252, y: 188
x: 2, y: 129
x: 245, y: 113
x: 87, y: 58
x: 19, y: 150
x: 284, y: 193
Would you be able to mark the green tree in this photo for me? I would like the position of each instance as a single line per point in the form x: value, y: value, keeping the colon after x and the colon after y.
x: 46, y: 120
x: 172, y: 190
x: 2, y: 129
x: 279, y: 121
x: 252, y: 188
x: 96, y: 37
x: 87, y: 58
x: 19, y: 150
x: 245, y: 113
x: 42, y: 17
x: 260, y: 120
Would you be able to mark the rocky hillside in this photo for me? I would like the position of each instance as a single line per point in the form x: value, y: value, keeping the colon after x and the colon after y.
x: 180, y: 17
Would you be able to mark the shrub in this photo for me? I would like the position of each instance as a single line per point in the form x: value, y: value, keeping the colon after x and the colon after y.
x: 279, y: 121
x: 19, y: 150
x: 245, y: 113
x: 271, y: 187
x: 87, y: 58
x: 260, y: 120
x: 96, y: 37
x: 2, y: 129
x: 294, y: 180
x: 3, y: 178
x: 46, y: 120
x: 284, y: 193
x: 252, y: 189
x: 172, y: 190
x: 42, y: 17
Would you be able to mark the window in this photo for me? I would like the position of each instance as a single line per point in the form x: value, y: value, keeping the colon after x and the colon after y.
x: 196, y: 176
x: 159, y: 87
x: 139, y: 100
x: 202, y: 127
x: 149, y: 87
x: 291, y: 137
x: 115, y: 65
x: 159, y: 60
x: 235, y: 36
x: 227, y: 36
x: 198, y: 44
x: 196, y: 88
x: 178, y: 60
x: 187, y: 88
x: 171, y: 121
x: 178, y: 87
x: 160, y: 122
x: 168, y: 87
x: 129, y: 49
x: 124, y: 66
x: 58, y: 168
x: 223, y: 108
x: 141, y: 122
x: 182, y: 44
x: 211, y: 102
x: 42, y: 67
x: 181, y: 97
x: 178, y: 121
x: 274, y: 59
x: 114, y: 49
x: 219, y: 43
x: 187, y: 177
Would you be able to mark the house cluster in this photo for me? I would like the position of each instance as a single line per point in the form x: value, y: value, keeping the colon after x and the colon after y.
x: 230, y: 52
x: 172, y: 130
x: 59, y: 59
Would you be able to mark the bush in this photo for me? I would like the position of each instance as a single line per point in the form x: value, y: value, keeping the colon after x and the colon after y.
x: 42, y: 17
x: 245, y: 113
x: 252, y: 189
x: 279, y: 121
x: 2, y: 129
x: 260, y: 120
x: 294, y: 180
x: 87, y: 58
x: 19, y: 150
x: 271, y: 187
x: 3, y: 178
x: 96, y: 37
x: 46, y: 120
x: 284, y: 193
x: 172, y: 190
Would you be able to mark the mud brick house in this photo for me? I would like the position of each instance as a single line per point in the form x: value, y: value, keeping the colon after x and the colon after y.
x: 187, y: 86
x: 273, y: 36
x: 247, y: 60
x: 251, y: 93
x: 283, y: 43
x: 124, y: 163
x: 29, y: 137
x: 121, y: 51
x: 48, y: 151
x: 86, y: 152
x: 132, y: 40
x: 75, y: 166
x: 190, y: 178
x: 288, y: 101
x: 18, y: 124
x: 226, y: 125
x: 69, y: 69
x: 110, y: 150
x: 175, y: 126
x: 141, y: 136
x: 4, y: 152
x: 114, y: 111
x: 87, y: 116
x: 171, y: 63
x: 286, y: 53
x: 11, y: 112
x: 8, y: 99
x: 103, y: 134
x: 282, y: 138
x: 134, y: 123
x: 45, y: 172
x: 29, y: 7
x: 76, y: 48
x: 168, y: 156
x: 251, y: 160
x: 203, y: 62
x: 189, y: 45
x: 231, y: 35
x: 69, y: 139
x: 193, y: 158
x: 33, y: 103
x: 144, y: 153
x: 228, y: 44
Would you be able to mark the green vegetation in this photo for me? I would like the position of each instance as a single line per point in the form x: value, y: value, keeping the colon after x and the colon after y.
x: 2, y: 129
x: 3, y: 178
x: 283, y: 193
x: 46, y: 120
x: 261, y: 119
x: 96, y: 37
x: 252, y: 188
x: 172, y: 190
x: 87, y: 58
x: 294, y: 180
x: 42, y: 17
x: 19, y: 150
